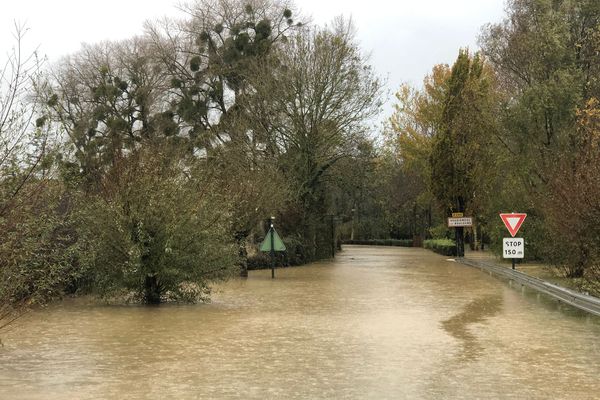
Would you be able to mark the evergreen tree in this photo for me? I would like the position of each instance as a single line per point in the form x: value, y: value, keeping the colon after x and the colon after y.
x: 460, y: 156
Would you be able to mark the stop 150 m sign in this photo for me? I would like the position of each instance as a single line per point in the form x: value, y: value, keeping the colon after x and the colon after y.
x: 513, y: 247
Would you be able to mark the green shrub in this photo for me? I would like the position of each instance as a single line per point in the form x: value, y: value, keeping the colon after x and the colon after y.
x: 295, y: 254
x: 445, y: 247
x: 148, y: 232
x: 259, y: 260
x: 382, y: 242
x: 440, y: 231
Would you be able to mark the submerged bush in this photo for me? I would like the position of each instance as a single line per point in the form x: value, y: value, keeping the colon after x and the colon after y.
x: 152, y: 231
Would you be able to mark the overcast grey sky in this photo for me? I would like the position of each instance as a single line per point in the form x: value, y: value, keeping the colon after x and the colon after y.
x: 404, y: 37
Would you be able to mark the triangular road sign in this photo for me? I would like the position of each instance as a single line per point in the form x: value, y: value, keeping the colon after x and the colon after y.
x: 277, y: 242
x: 513, y: 221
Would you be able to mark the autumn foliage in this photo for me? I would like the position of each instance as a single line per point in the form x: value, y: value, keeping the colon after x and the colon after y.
x: 574, y: 204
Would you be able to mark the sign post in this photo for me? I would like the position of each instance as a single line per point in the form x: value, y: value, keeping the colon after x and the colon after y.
x: 513, y: 247
x: 271, y: 244
x: 272, y: 250
x: 459, y: 221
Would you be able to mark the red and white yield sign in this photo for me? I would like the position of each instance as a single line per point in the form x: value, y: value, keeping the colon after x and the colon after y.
x: 513, y: 221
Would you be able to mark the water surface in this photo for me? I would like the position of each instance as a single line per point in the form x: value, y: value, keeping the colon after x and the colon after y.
x: 376, y: 323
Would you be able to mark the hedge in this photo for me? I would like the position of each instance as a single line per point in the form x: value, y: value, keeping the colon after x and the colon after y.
x: 445, y: 247
x: 382, y: 242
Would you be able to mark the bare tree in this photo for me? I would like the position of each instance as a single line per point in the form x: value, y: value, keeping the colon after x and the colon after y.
x: 21, y: 150
x: 210, y: 58
x: 23, y: 146
x: 313, y: 107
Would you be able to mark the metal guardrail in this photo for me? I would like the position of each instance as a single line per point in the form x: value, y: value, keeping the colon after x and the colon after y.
x: 581, y: 301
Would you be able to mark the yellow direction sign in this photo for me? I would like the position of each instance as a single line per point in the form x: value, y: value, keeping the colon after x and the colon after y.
x: 272, y: 242
x: 457, y: 215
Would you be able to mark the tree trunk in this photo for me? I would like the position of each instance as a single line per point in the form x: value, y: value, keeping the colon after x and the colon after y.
x: 309, y: 232
x: 460, y: 232
x: 151, y: 289
x: 243, y: 254
x: 578, y: 270
x: 310, y: 239
x: 460, y: 242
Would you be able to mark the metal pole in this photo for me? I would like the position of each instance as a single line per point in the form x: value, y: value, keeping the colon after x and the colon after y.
x: 272, y: 250
x: 481, y: 234
x: 513, y: 263
x: 332, y: 237
x: 456, y: 242
x: 353, y: 217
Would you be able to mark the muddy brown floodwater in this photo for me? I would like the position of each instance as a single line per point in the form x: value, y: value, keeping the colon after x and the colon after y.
x: 376, y: 323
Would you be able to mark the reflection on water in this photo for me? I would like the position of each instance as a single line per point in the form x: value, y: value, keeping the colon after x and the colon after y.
x: 475, y: 311
x: 378, y: 323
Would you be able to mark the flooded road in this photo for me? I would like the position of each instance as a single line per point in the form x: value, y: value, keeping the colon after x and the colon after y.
x: 376, y: 323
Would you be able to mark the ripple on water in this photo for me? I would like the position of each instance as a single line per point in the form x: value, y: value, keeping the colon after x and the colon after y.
x: 381, y: 323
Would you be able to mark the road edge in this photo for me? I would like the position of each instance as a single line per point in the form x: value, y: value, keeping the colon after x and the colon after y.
x: 578, y: 300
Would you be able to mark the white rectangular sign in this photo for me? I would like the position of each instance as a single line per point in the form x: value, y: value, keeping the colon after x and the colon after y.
x: 513, y: 247
x: 458, y: 222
